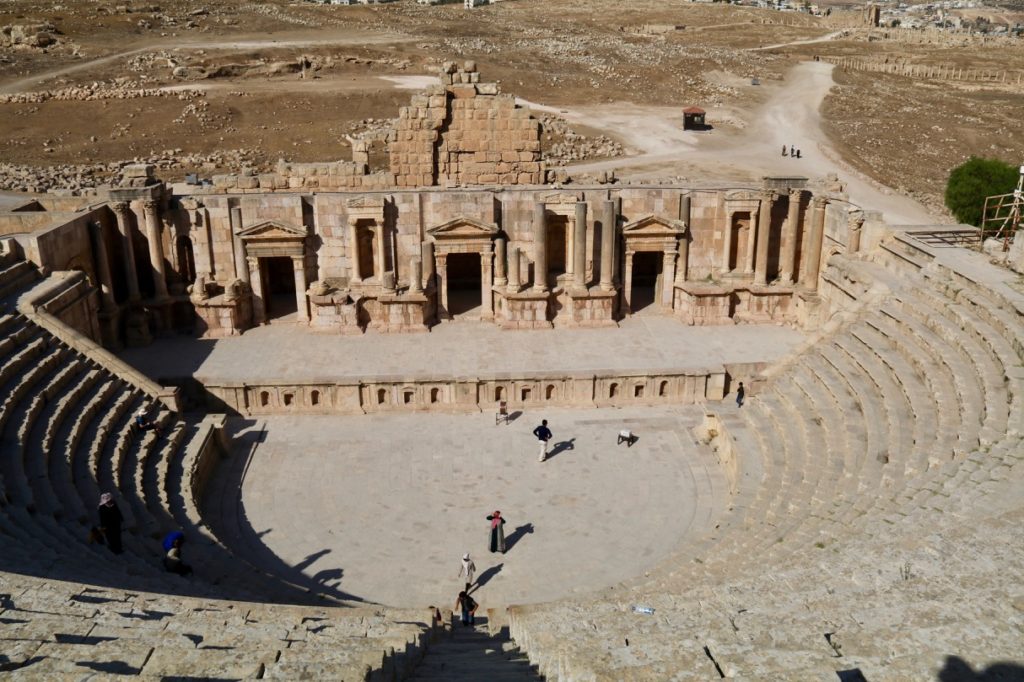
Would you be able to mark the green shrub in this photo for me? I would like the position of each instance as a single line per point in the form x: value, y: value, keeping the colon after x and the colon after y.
x: 974, y: 180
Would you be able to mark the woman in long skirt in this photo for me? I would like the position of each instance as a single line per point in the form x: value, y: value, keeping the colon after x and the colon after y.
x: 497, y: 532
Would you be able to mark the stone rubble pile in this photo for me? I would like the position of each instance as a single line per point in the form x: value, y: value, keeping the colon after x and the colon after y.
x: 77, y: 179
x: 573, y: 146
x: 28, y: 35
x: 121, y: 89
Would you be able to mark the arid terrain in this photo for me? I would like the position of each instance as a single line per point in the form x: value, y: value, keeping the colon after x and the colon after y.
x: 201, y: 86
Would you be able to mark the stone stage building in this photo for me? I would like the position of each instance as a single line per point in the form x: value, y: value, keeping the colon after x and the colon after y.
x: 459, y: 226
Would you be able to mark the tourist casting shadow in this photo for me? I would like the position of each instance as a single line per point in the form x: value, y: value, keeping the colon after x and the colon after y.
x: 957, y: 669
x: 486, y: 576
x: 562, y: 446
x: 512, y: 416
x: 516, y: 536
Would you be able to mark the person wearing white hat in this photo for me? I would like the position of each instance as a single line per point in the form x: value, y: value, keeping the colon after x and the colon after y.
x: 468, y: 568
x: 110, y: 522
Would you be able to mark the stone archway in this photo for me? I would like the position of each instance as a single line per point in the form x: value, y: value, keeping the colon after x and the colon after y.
x: 264, y: 245
x: 456, y: 239
x: 651, y: 235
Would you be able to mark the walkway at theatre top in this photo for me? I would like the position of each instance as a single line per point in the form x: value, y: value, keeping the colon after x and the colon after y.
x: 288, y: 353
x: 382, y: 507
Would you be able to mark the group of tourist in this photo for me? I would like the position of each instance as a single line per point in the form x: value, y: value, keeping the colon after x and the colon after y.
x: 793, y: 151
x: 109, y: 533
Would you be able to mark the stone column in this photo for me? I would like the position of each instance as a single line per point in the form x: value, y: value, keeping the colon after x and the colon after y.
x: 668, y: 276
x: 789, y: 238
x: 238, y: 246
x: 427, y: 258
x: 727, y: 247
x: 755, y: 219
x: 684, y: 240
x: 486, y: 284
x: 415, y: 275
x: 579, y: 246
x: 500, y: 252
x: 124, y: 226
x: 608, y: 228
x: 442, y: 272
x: 99, y: 250
x: 301, y: 301
x: 813, y: 256
x: 540, y: 249
x: 353, y: 250
x: 259, y: 305
x: 378, y: 229
x: 156, y: 248
x: 764, y: 223
x: 514, y: 258
x: 627, y: 285
x: 855, y: 221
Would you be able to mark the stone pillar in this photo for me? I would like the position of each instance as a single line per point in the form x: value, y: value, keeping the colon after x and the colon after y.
x: 727, y: 247
x: 259, y: 305
x: 790, y: 237
x: 442, y: 272
x: 764, y: 223
x: 486, y: 284
x: 579, y: 246
x: 684, y: 240
x: 427, y: 258
x: 755, y: 219
x: 608, y: 228
x: 500, y: 249
x: 99, y: 250
x: 415, y: 275
x: 301, y: 301
x: 378, y: 230
x: 627, y: 284
x: 855, y: 222
x: 156, y: 248
x: 514, y: 259
x: 813, y: 256
x: 238, y: 246
x: 124, y: 226
x: 540, y: 249
x: 668, y: 276
x: 353, y: 251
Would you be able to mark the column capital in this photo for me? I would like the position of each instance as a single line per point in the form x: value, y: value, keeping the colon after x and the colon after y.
x: 120, y: 207
x: 253, y: 261
x: 769, y: 195
x: 819, y: 202
x: 149, y: 204
x: 796, y: 194
x: 378, y: 222
x: 298, y: 259
x: 353, y: 221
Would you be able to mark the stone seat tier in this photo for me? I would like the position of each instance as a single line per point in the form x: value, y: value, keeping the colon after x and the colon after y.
x: 49, y: 497
x: 18, y: 377
x: 65, y: 449
x: 128, y: 475
x: 16, y: 276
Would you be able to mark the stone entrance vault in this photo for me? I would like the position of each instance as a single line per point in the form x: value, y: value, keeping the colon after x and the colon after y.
x: 262, y: 245
x: 457, y: 238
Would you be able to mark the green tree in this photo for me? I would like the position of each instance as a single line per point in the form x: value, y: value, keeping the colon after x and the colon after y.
x: 972, y: 181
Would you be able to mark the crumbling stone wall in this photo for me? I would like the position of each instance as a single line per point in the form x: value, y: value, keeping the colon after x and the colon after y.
x: 464, y: 132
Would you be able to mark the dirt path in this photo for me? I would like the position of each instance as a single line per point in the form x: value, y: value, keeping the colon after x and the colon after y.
x: 34, y: 80
x: 790, y: 117
x: 809, y: 41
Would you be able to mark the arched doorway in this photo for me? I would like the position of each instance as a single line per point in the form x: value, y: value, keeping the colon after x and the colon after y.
x: 646, y: 280
x: 464, y: 280
x: 278, y: 278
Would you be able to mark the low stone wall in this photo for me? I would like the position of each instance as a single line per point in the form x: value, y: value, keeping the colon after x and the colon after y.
x: 713, y: 432
x: 201, y: 456
x: 63, y: 293
x: 479, y: 394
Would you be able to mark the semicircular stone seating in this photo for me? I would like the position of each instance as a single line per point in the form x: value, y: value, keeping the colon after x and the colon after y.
x: 879, y: 480
x: 68, y: 607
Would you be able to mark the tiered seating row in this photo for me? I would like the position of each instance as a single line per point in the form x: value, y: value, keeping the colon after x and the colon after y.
x: 904, y: 422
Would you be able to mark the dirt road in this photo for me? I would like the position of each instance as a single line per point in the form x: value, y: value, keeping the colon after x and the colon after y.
x: 790, y: 117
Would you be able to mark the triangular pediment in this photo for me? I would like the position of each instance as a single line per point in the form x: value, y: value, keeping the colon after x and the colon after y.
x: 464, y: 228
x: 652, y: 225
x: 273, y: 229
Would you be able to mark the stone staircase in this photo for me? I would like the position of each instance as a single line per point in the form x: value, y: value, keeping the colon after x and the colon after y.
x: 474, y: 653
x: 71, y: 608
x: 879, y: 478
